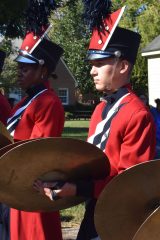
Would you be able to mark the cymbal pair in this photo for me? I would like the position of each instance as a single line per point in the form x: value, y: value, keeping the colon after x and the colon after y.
x: 48, y: 159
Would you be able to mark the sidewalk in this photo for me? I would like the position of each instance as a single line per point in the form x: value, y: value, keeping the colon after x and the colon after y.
x: 69, y: 233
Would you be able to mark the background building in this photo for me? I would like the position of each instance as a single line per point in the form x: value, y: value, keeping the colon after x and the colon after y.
x: 152, y: 52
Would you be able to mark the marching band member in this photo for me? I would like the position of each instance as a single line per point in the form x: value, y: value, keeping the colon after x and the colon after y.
x: 38, y: 115
x: 121, y: 125
x: 5, y: 111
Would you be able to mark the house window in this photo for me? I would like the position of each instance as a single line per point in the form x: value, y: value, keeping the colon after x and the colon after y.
x: 63, y: 95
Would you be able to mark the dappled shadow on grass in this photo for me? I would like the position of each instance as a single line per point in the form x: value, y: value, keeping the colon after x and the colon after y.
x: 84, y: 138
x: 67, y: 218
x: 77, y: 133
x: 72, y: 130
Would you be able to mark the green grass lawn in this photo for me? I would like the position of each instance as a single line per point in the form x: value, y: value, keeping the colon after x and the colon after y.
x: 71, y: 217
x: 74, y: 129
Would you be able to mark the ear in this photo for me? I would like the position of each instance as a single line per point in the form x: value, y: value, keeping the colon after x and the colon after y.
x: 44, y: 70
x: 124, y: 68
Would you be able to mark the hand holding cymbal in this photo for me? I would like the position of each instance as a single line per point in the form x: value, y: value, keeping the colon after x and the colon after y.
x: 56, y: 190
x: 49, y: 160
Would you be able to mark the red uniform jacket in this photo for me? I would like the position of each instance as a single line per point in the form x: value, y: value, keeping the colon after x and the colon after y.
x: 5, y: 109
x: 44, y: 117
x: 131, y: 137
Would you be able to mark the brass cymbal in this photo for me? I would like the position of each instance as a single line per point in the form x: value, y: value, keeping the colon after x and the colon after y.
x: 48, y: 159
x: 127, y: 201
x: 5, y: 137
x: 150, y: 229
x: 8, y: 147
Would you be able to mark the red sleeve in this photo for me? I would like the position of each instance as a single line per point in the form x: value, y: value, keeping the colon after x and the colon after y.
x: 139, y: 141
x: 138, y: 146
x: 49, y: 121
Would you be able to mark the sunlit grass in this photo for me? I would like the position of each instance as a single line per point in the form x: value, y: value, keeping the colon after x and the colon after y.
x: 76, y: 129
x: 79, y: 130
x: 73, y: 216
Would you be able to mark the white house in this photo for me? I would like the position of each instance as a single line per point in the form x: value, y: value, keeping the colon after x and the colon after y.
x: 152, y: 52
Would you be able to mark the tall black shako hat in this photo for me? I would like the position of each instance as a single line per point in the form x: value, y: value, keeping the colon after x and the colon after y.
x: 2, y: 58
x: 108, y: 40
x: 38, y: 49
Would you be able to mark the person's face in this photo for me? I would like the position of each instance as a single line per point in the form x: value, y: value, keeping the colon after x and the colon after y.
x: 29, y: 75
x: 106, y: 74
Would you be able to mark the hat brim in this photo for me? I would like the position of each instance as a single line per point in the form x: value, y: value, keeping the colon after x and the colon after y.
x: 22, y: 59
x: 97, y: 55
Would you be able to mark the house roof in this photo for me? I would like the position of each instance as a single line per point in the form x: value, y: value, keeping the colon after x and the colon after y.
x: 152, y: 48
x: 62, y: 69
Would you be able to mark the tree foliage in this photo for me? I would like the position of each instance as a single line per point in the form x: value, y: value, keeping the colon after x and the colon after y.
x: 18, y: 16
x: 8, y: 76
x: 11, y: 17
x: 143, y: 17
x: 70, y: 32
